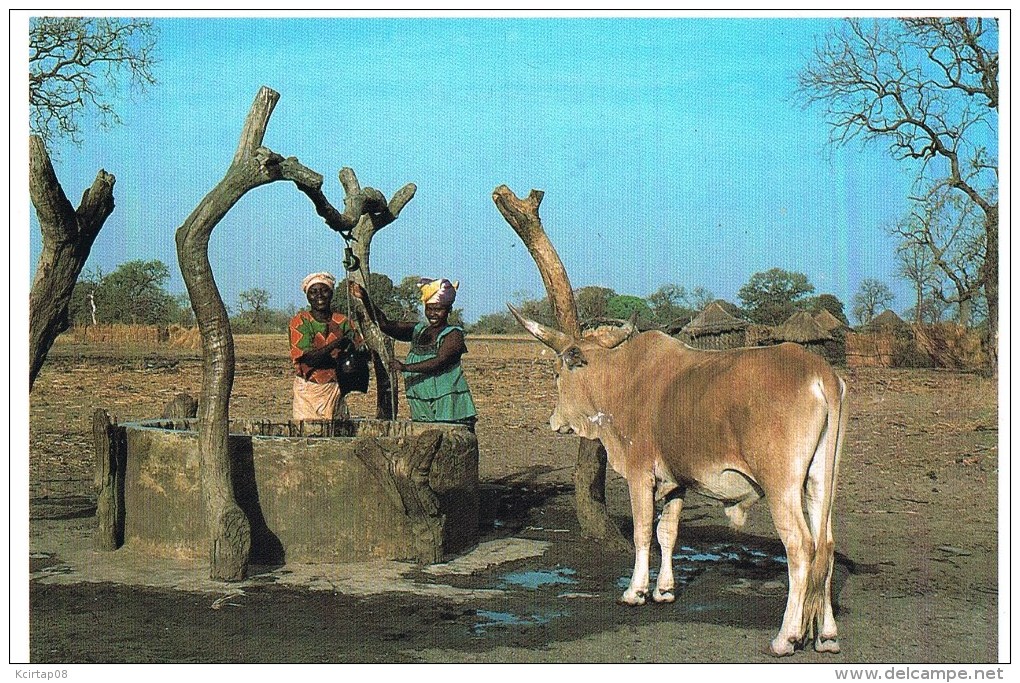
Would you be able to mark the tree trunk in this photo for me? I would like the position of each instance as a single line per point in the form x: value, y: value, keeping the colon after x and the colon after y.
x: 253, y: 165
x: 67, y: 238
x: 404, y: 478
x: 991, y: 285
x: 590, y: 472
x: 964, y: 313
x: 387, y: 393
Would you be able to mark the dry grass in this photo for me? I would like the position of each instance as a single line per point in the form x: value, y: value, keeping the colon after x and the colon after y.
x: 139, y: 335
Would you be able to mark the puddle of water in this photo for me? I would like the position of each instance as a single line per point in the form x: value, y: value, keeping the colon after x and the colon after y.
x: 57, y: 569
x: 540, y: 577
x: 691, y: 563
x: 729, y: 553
x: 489, y: 620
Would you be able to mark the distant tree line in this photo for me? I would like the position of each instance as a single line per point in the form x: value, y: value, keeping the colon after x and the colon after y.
x: 136, y: 293
x: 769, y: 298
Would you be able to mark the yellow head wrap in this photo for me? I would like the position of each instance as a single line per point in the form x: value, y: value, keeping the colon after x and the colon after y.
x: 440, y: 291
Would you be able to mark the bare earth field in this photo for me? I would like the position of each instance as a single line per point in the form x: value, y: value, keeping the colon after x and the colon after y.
x: 916, y: 518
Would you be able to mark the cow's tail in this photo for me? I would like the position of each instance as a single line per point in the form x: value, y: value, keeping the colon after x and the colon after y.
x: 821, y: 563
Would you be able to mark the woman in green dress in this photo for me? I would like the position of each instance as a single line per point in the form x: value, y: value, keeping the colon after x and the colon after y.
x: 433, y: 378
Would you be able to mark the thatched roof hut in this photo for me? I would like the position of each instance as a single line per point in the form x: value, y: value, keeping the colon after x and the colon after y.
x: 715, y: 328
x: 828, y: 322
x: 886, y: 341
x: 886, y: 320
x: 834, y: 349
x: 802, y: 328
x: 713, y: 320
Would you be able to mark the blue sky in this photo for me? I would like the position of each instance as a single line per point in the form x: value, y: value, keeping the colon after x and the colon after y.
x: 671, y: 150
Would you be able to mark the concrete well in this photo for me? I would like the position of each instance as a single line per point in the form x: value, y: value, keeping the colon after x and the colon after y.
x: 312, y: 491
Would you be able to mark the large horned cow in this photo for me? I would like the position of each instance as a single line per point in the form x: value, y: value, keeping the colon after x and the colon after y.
x: 732, y: 425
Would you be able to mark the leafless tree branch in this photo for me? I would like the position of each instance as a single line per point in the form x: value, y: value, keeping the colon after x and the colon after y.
x: 77, y: 64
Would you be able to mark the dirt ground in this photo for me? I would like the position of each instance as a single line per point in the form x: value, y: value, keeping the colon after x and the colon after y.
x: 916, y: 518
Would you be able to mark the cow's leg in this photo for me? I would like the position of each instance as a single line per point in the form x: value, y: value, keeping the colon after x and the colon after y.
x: 793, y: 530
x: 667, y: 531
x: 827, y: 640
x: 826, y: 637
x: 642, y: 506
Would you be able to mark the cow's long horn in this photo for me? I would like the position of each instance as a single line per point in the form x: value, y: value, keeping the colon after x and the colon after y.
x: 554, y: 339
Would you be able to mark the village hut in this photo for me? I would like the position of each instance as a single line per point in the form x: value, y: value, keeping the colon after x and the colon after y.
x: 887, y: 342
x: 759, y: 335
x: 828, y: 322
x: 886, y: 321
x: 835, y: 348
x: 802, y: 329
x: 715, y: 328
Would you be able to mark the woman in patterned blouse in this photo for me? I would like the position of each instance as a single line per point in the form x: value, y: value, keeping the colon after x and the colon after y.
x: 317, y: 338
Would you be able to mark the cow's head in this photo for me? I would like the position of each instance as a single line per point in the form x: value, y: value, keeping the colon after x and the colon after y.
x: 583, y: 366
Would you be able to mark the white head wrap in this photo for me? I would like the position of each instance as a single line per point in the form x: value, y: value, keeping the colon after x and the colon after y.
x: 322, y: 278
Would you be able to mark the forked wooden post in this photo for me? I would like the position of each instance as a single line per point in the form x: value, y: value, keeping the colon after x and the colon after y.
x: 378, y: 214
x: 109, y: 481
x: 590, y: 472
x: 67, y: 237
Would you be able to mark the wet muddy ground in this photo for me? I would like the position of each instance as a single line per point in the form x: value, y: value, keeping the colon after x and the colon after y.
x: 530, y: 606
x: 915, y: 521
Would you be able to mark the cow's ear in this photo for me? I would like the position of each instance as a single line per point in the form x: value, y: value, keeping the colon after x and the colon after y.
x: 611, y: 337
x: 573, y: 358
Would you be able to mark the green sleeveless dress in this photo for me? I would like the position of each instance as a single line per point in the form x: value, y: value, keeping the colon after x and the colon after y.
x: 436, y: 398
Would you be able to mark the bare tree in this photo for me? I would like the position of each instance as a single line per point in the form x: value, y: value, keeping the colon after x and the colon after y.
x: 254, y: 301
x: 253, y: 166
x: 929, y: 87
x: 68, y: 235
x: 949, y: 228
x: 917, y: 265
x: 77, y: 64
x: 873, y: 296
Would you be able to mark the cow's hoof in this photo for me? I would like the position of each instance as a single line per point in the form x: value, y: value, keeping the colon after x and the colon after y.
x: 830, y: 645
x: 781, y: 647
x: 633, y: 599
x: 663, y: 596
